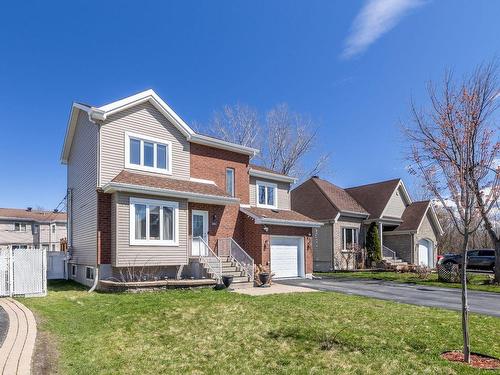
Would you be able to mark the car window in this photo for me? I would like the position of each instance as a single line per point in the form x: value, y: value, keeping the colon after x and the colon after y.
x: 473, y: 253
x: 486, y: 253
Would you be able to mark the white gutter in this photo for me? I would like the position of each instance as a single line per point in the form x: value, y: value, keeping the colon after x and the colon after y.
x: 111, y: 187
x: 271, y: 176
x: 219, y: 143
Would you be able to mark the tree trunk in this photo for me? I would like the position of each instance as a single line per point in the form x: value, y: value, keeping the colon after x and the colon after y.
x: 465, y: 305
x: 497, y: 260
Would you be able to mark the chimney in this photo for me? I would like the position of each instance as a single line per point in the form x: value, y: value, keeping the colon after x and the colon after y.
x: 29, y: 209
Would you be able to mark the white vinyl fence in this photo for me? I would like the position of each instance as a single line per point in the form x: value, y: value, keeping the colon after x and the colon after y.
x: 23, y: 272
x: 56, y: 265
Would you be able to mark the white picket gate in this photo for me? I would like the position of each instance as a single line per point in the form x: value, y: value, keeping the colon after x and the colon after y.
x: 23, y: 272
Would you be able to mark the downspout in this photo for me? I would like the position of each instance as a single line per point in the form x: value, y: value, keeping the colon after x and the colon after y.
x: 96, y: 275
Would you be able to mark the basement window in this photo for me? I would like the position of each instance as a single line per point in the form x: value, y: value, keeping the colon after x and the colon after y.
x: 89, y: 273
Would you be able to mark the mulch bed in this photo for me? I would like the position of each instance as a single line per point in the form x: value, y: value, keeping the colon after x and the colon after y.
x: 477, y: 360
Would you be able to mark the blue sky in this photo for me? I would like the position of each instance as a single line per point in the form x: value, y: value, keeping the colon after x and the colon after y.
x: 351, y: 65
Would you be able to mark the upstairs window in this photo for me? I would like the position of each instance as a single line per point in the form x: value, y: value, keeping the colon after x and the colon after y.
x: 147, y: 153
x: 266, y: 194
x: 230, y: 181
x: 20, y: 227
x: 349, y: 238
x: 35, y: 228
x: 53, y: 228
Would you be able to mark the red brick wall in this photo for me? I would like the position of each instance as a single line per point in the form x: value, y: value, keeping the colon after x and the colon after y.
x: 104, y: 225
x: 257, y: 241
x: 227, y: 223
x: 210, y: 163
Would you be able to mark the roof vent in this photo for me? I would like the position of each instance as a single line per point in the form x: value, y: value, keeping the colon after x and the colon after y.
x: 315, y: 176
x: 55, y: 210
x: 29, y: 209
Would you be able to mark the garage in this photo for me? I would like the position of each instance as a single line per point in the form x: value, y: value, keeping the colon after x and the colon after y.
x: 287, y: 256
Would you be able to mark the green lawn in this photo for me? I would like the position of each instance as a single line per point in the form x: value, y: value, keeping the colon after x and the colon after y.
x: 477, y: 281
x: 214, y: 332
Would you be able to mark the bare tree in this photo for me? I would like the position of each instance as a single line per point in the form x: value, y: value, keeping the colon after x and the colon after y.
x: 450, y: 143
x: 237, y: 124
x: 285, y: 138
x: 290, y: 137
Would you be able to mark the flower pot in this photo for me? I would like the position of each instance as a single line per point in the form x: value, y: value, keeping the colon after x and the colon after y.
x: 227, y: 280
x: 264, y: 278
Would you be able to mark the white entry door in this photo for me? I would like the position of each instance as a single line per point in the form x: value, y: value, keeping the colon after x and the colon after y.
x: 199, y: 229
x: 423, y: 253
x: 287, y: 256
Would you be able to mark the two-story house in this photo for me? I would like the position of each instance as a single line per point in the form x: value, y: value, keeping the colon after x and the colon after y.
x: 29, y: 229
x: 408, y: 230
x: 146, y: 191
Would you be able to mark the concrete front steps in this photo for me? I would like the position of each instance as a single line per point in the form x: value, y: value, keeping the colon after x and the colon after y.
x: 231, y: 268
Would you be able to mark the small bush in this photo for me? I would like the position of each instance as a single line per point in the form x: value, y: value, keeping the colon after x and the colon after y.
x: 423, y: 272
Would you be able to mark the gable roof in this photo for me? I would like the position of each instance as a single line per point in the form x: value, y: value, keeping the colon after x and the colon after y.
x: 374, y: 197
x: 279, y: 217
x: 98, y: 114
x: 413, y: 215
x: 34, y: 215
x: 338, y: 197
x: 147, y: 183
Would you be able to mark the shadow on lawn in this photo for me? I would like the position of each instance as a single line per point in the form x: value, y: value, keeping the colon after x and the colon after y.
x: 64, y: 286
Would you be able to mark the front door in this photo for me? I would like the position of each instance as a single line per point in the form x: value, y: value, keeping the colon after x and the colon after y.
x: 199, y: 229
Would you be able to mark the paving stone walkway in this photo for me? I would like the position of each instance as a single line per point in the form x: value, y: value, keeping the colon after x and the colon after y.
x: 17, y: 348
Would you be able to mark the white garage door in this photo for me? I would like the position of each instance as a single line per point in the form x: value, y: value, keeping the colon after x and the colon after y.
x: 287, y: 256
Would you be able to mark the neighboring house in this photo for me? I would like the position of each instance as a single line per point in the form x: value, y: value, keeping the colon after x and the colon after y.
x: 146, y: 191
x: 28, y: 229
x: 408, y: 230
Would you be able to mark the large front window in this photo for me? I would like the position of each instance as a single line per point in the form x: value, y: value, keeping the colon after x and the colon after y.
x: 153, y: 222
x: 146, y: 153
x: 349, y: 238
x: 266, y: 194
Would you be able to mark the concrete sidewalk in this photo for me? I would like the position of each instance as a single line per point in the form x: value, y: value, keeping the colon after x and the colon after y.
x: 17, y: 349
x: 275, y: 288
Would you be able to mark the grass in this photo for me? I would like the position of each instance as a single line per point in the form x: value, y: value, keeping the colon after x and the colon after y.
x: 212, y: 332
x: 477, y: 281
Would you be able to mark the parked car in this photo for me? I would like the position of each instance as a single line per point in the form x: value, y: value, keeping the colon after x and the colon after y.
x: 480, y: 259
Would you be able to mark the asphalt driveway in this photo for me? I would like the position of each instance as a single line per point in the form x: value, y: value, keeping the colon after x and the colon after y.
x: 447, y: 298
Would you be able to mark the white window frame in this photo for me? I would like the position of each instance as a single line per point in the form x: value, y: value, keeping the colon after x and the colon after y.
x: 74, y: 270
x: 93, y: 275
x: 156, y: 142
x: 266, y: 184
x: 20, y: 223
x: 53, y: 229
x: 36, y: 228
x: 355, y: 237
x: 233, y: 193
x: 154, y: 202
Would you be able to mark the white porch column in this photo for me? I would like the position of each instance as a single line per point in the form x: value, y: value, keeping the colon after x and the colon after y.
x: 381, y: 237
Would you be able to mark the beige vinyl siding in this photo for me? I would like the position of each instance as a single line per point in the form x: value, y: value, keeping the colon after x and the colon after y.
x: 396, y: 206
x: 143, y: 119
x: 125, y: 255
x: 283, y: 192
x: 341, y: 258
x: 322, y: 248
x: 82, y: 179
x: 426, y: 230
x: 8, y: 236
